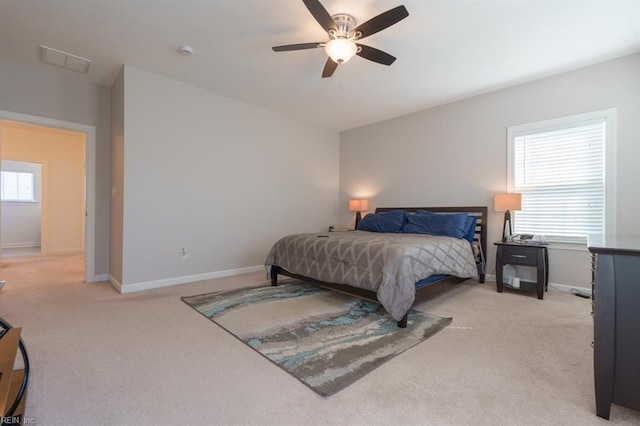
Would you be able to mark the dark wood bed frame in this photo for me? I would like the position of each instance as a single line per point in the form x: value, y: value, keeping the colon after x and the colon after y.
x: 479, y: 240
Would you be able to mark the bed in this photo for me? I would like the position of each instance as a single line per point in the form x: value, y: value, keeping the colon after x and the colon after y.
x: 390, y: 267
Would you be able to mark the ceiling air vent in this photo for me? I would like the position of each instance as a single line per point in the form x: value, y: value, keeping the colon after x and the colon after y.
x: 64, y: 60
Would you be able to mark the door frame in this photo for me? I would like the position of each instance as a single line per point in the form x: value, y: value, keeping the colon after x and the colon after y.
x: 90, y: 179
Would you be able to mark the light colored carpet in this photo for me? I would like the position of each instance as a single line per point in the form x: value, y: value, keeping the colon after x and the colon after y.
x: 102, y: 358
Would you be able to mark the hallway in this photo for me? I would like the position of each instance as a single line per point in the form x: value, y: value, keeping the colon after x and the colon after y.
x: 32, y: 273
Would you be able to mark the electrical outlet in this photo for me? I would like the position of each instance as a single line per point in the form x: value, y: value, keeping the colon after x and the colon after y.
x: 183, y: 253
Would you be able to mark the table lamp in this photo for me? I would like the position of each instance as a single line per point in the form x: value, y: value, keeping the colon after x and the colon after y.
x: 505, y: 203
x: 358, y: 206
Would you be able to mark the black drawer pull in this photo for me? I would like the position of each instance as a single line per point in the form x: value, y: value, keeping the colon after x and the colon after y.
x: 521, y: 256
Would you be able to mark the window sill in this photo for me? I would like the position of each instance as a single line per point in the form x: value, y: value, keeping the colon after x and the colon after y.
x: 19, y: 203
x: 568, y: 246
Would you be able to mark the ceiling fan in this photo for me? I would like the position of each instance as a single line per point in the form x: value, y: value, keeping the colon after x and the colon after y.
x: 343, y: 34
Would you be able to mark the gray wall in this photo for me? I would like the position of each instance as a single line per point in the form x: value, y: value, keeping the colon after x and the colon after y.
x: 51, y: 93
x: 221, y: 178
x: 456, y: 154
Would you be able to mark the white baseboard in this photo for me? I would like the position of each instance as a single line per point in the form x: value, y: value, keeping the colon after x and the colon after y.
x: 148, y: 285
x: 63, y: 252
x: 564, y: 288
x: 115, y: 283
x: 20, y: 245
x: 99, y: 278
x: 570, y: 288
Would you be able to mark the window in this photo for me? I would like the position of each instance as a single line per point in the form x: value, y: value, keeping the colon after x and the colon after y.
x: 16, y: 186
x: 560, y: 168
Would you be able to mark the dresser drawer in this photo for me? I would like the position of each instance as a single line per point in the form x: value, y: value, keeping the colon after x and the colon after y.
x: 520, y: 256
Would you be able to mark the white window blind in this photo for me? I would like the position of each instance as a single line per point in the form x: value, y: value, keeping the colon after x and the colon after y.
x: 561, y: 176
x: 16, y: 186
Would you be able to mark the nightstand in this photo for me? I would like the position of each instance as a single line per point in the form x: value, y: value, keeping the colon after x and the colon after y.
x: 525, y: 255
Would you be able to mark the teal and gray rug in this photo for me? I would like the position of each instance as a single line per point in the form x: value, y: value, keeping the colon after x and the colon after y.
x: 325, y: 339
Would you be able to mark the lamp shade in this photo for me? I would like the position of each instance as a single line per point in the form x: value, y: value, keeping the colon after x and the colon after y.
x: 507, y: 202
x: 341, y: 50
x: 358, y: 205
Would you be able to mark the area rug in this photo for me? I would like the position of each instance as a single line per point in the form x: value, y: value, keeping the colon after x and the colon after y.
x: 325, y: 339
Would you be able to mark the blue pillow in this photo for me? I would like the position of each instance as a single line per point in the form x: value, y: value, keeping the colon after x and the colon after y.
x: 470, y: 231
x: 445, y: 224
x: 392, y: 221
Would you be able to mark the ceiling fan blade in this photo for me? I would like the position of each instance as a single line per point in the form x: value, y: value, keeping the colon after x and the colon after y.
x: 382, y: 21
x: 299, y: 46
x: 375, y: 55
x: 329, y: 68
x: 320, y: 14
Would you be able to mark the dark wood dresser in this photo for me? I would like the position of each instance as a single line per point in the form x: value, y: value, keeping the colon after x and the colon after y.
x: 616, y: 315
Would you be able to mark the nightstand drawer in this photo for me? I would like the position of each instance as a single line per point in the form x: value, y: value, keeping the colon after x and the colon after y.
x: 520, y: 256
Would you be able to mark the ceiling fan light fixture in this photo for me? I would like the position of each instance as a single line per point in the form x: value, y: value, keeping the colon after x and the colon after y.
x: 340, y: 50
x: 343, y: 35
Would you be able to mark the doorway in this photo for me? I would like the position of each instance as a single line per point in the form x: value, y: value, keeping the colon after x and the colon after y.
x: 68, y: 205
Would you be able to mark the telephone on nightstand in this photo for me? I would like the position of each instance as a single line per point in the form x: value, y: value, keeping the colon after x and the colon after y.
x: 529, y: 239
x: 334, y: 229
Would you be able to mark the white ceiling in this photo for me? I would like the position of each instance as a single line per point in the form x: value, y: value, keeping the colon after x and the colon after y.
x: 447, y: 49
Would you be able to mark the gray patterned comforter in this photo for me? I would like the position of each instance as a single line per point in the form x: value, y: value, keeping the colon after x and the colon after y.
x: 388, y: 264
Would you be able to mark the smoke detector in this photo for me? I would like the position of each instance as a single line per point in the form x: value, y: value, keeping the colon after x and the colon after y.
x: 185, y: 50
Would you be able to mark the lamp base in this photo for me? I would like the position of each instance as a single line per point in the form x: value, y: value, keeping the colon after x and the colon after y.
x: 507, y: 230
x: 358, y: 218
